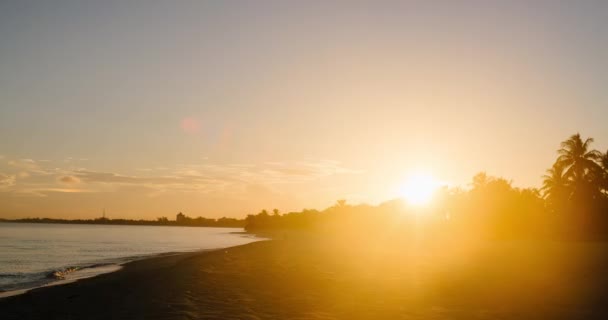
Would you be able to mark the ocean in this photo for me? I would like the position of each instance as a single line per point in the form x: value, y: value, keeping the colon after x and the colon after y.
x: 34, y: 255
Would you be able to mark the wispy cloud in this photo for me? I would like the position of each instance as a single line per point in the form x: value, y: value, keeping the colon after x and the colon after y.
x: 73, y: 159
x: 6, y: 181
x: 69, y: 179
x: 28, y: 166
x: 38, y: 178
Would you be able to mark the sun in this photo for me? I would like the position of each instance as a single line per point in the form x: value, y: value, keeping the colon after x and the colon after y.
x: 419, y: 189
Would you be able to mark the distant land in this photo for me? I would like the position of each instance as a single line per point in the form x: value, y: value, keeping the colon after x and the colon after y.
x: 181, y: 220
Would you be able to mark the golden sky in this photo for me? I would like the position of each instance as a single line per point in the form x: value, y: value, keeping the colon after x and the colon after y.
x: 212, y: 108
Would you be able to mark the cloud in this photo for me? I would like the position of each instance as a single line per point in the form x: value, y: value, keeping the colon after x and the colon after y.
x: 37, y: 178
x: 44, y: 192
x: 329, y: 167
x: 23, y: 163
x: 304, y: 172
x: 23, y: 174
x: 69, y: 179
x: 108, y: 177
x: 28, y: 166
x: 74, y: 160
x: 7, y: 181
x: 210, y: 177
x: 28, y: 193
x: 309, y: 169
x: 104, y: 177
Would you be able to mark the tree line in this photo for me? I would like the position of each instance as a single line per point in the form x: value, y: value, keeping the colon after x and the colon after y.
x: 571, y: 203
x: 161, y: 221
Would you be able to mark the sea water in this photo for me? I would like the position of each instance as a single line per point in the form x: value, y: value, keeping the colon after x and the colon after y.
x: 34, y: 255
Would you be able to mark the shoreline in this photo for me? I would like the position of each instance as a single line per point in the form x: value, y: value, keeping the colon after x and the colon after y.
x: 99, y: 268
x: 329, y: 278
x: 20, y: 305
x: 89, y: 251
x: 71, y: 277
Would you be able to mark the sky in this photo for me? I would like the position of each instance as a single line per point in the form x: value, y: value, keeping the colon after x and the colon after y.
x: 222, y: 108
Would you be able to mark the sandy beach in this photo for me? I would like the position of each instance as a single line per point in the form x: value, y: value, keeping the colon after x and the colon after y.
x: 308, y: 279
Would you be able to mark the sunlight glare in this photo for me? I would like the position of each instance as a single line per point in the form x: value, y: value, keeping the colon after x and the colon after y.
x: 419, y: 189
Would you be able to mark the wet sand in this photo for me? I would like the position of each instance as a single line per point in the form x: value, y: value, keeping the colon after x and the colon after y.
x: 320, y: 279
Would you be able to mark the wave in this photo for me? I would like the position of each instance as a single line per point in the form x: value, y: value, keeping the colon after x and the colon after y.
x: 18, y: 282
x: 22, y: 281
x: 62, y: 273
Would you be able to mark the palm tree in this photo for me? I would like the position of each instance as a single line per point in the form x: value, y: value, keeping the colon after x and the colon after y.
x: 555, y: 184
x: 604, y: 164
x: 577, y: 159
x: 604, y: 160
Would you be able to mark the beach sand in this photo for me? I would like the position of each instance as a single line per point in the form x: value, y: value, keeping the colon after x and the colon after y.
x: 310, y: 278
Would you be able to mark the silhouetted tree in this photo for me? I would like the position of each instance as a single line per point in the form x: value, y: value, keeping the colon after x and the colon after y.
x: 480, y: 180
x: 575, y: 185
x: 577, y: 159
x: 555, y: 188
x: 603, y: 161
x: 491, y: 208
